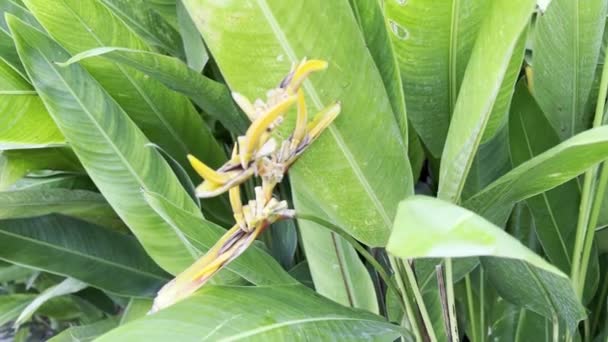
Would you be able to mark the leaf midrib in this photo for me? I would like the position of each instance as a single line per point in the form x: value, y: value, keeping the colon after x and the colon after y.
x: 285, y: 45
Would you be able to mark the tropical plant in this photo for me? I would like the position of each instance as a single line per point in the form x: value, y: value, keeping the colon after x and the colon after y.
x: 455, y: 190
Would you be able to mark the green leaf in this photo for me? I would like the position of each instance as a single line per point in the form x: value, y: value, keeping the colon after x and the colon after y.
x: 15, y: 7
x: 11, y: 305
x: 8, y: 53
x: 25, y: 121
x: 566, y: 49
x: 85, y: 333
x: 254, y: 265
x: 481, y: 84
x: 196, y: 53
x: 555, y: 211
x: 109, y: 145
x: 491, y: 161
x: 511, y: 323
x: 231, y: 313
x: 361, y: 156
x: 452, y: 231
x: 148, y: 24
x: 67, y: 286
x: 210, y: 95
x: 165, y: 117
x: 336, y: 269
x: 541, y: 173
x: 89, y: 253
x: 375, y: 32
x: 432, y: 55
x: 86, y: 205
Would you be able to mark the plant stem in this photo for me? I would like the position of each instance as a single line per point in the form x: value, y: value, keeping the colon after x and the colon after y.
x: 585, y: 229
x: 482, y: 314
x: 471, y: 308
x: 450, y: 298
x: 420, y: 302
x: 409, y: 312
x: 581, y: 233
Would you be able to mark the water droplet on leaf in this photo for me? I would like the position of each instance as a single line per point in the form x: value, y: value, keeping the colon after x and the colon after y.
x: 398, y: 30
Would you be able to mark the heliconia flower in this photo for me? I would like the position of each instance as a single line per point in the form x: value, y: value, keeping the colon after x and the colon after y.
x: 258, y: 215
x: 255, y: 153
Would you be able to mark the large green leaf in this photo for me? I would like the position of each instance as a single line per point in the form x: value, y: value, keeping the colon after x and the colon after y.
x: 269, y: 313
x: 86, y: 205
x: 165, y: 117
x: 210, y: 95
x: 433, y: 54
x: 25, y: 121
x: 566, y: 49
x: 428, y: 227
x: 481, y: 85
x: 109, y: 145
x: 99, y: 257
x: 358, y: 170
x: 254, y: 265
x: 541, y: 173
x: 336, y: 269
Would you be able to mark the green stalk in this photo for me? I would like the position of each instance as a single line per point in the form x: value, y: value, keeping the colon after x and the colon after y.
x: 409, y: 312
x: 450, y: 298
x: 471, y: 307
x: 581, y: 233
x: 585, y: 230
x: 421, y: 306
x: 482, y: 314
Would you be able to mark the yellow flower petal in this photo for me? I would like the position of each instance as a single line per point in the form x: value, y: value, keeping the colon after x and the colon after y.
x: 301, y: 119
x: 322, y: 120
x: 206, y: 172
x: 255, y: 132
x: 302, y: 71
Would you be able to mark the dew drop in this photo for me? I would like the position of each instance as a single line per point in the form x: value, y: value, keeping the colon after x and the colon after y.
x: 399, y: 30
x: 402, y: 2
